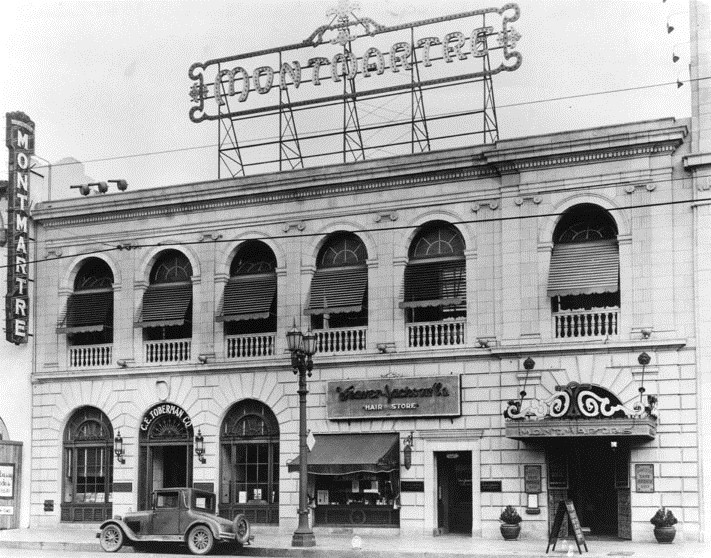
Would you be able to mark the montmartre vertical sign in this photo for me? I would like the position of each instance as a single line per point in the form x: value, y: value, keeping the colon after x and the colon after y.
x: 20, y: 141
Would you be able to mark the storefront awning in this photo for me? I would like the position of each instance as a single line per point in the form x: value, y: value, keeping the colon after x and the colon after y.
x: 641, y: 428
x: 338, y: 291
x: 440, y: 283
x: 248, y: 297
x: 166, y: 304
x: 86, y: 312
x: 342, y: 454
x: 584, y: 268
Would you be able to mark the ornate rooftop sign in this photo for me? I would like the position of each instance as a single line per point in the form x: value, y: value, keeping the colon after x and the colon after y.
x: 349, y: 60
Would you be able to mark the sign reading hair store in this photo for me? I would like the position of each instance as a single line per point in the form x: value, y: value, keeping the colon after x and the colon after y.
x: 374, y: 398
x: 20, y: 141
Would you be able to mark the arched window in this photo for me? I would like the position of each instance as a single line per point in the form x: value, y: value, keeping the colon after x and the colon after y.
x: 339, y: 289
x: 249, y: 302
x: 167, y: 303
x: 89, y: 318
x: 249, y: 449
x: 435, y: 276
x: 584, y: 276
x: 88, y: 467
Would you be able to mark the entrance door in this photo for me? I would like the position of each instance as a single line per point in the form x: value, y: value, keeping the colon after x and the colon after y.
x: 591, y: 483
x: 454, y: 492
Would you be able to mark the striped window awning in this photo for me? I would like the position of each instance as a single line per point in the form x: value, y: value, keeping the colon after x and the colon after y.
x: 338, y: 290
x: 584, y: 268
x: 248, y: 297
x: 166, y: 304
x: 440, y: 283
x: 88, y: 311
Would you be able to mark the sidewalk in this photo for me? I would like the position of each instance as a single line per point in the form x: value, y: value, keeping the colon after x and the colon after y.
x: 268, y: 542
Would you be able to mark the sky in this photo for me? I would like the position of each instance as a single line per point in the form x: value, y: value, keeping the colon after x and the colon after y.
x: 106, y: 82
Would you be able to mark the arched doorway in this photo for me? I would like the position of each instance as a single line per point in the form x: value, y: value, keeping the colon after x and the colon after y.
x: 88, y: 467
x: 249, y: 452
x: 166, y: 450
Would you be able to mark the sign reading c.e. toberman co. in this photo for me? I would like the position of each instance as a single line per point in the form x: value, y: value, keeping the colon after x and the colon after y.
x: 374, y: 398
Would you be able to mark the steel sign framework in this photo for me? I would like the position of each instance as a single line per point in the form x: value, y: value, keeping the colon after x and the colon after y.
x: 355, y: 89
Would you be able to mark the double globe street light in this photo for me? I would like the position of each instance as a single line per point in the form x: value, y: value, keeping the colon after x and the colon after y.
x: 302, y: 347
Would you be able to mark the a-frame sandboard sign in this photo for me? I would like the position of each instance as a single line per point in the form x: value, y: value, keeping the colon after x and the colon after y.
x: 566, y: 507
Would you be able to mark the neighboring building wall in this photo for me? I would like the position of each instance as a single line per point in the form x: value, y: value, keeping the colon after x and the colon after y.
x: 505, y: 207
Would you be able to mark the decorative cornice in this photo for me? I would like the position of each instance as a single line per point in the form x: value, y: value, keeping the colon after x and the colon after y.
x: 236, y: 200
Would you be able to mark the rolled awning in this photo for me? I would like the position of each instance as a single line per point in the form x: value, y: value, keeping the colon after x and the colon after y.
x: 338, y: 290
x: 88, y: 311
x: 166, y: 305
x: 248, y: 297
x: 441, y: 283
x: 342, y: 454
x: 584, y: 268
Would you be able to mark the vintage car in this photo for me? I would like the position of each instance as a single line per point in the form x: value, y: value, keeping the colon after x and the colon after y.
x: 179, y: 515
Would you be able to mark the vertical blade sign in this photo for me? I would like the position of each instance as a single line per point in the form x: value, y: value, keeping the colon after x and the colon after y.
x: 20, y: 141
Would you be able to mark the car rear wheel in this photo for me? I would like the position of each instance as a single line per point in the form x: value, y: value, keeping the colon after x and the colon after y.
x: 111, y: 538
x: 242, y: 530
x: 200, y: 540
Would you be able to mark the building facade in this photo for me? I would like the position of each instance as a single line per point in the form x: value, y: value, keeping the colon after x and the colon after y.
x: 506, y: 324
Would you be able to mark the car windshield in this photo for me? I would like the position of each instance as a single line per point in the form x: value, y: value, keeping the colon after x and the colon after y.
x: 204, y: 502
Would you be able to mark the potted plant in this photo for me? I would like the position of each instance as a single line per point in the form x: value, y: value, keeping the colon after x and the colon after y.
x: 664, y: 521
x: 510, y: 523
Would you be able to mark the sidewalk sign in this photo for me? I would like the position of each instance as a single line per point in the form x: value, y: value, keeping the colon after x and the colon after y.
x: 563, y: 508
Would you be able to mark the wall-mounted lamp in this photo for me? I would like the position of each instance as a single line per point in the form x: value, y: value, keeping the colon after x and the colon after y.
x: 646, y: 332
x: 528, y: 364
x: 407, y: 452
x: 200, y: 447
x: 202, y: 359
x: 644, y: 360
x: 121, y: 363
x: 118, y: 448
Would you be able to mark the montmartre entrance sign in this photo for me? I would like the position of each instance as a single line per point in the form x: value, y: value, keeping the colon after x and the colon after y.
x: 343, y: 70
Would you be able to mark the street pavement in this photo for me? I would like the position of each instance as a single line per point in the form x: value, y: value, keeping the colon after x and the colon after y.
x: 82, y: 542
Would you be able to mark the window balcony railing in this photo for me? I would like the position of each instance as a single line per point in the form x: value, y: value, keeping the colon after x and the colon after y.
x: 168, y: 351
x: 436, y: 334
x: 90, y: 356
x: 254, y: 345
x: 575, y: 324
x: 341, y: 340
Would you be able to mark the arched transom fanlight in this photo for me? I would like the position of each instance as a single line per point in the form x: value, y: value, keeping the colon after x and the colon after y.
x: 253, y: 257
x: 94, y: 274
x: 342, y: 250
x: 585, y: 223
x: 437, y: 240
x: 171, y: 267
x: 250, y: 419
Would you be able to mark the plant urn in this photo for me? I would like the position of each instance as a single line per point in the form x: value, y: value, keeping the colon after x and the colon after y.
x: 665, y: 535
x: 510, y: 531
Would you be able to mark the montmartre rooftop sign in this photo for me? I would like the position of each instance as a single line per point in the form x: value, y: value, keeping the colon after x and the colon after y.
x: 346, y: 49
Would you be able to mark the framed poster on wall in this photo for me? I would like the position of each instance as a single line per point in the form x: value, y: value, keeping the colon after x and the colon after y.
x: 7, y: 480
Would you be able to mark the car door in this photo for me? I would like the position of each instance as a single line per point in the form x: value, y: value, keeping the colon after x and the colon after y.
x: 166, y: 513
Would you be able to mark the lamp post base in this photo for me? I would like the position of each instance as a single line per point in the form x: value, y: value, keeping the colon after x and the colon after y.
x: 303, y: 539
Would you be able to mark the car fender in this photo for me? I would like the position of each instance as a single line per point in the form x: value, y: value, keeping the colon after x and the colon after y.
x: 209, y: 524
x: 125, y: 528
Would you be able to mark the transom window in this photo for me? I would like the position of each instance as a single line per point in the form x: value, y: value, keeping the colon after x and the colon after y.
x: 437, y: 240
x: 585, y: 222
x: 253, y: 257
x: 171, y: 267
x: 95, y: 273
x: 342, y: 250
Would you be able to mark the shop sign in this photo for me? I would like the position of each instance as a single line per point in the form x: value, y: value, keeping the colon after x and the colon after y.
x: 490, y: 486
x: 412, y: 486
x: 644, y: 476
x: 20, y: 141
x: 7, y: 480
x: 165, y: 409
x: 394, y: 397
x: 356, y: 49
x: 532, y: 479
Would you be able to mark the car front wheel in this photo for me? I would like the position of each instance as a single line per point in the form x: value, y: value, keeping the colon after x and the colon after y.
x: 200, y: 540
x: 111, y: 538
x: 242, y: 529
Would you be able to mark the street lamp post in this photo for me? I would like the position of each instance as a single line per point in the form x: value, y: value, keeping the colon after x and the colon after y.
x: 302, y: 348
